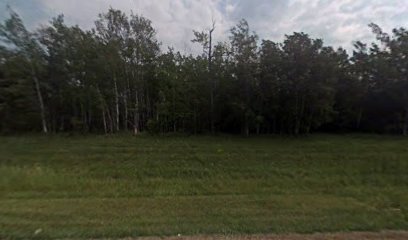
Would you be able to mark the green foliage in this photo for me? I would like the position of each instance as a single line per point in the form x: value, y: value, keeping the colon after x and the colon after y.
x: 114, y: 78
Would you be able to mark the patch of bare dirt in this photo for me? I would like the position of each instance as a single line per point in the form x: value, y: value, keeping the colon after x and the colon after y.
x: 385, y: 235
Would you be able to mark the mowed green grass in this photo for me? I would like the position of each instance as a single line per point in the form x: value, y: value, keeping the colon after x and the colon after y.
x: 125, y: 186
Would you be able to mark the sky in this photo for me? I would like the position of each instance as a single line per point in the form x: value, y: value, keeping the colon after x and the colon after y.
x: 337, y: 22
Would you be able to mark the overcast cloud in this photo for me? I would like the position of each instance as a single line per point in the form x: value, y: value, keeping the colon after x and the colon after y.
x: 337, y: 22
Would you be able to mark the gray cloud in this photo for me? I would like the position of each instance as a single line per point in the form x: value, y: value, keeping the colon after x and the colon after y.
x: 33, y: 11
x: 338, y: 22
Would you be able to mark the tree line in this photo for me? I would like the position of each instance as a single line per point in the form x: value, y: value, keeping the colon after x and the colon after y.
x: 115, y: 77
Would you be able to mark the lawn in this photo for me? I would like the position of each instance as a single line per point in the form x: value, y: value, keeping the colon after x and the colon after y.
x: 125, y: 186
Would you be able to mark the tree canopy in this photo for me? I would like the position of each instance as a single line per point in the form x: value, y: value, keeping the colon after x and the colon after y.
x: 115, y: 77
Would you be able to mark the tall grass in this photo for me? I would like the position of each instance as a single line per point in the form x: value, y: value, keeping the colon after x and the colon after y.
x: 119, y: 186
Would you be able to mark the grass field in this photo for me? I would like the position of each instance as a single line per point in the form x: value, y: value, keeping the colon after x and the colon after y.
x: 124, y: 186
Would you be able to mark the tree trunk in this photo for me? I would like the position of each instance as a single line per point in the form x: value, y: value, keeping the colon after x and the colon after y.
x: 405, y: 124
x: 103, y: 104
x: 149, y: 109
x: 136, y: 116
x: 296, y: 120
x: 116, y: 103
x: 89, y: 118
x: 246, y: 128
x: 125, y: 120
x: 104, y: 120
x: 110, y: 120
x: 82, y: 117
x: 40, y: 101
x: 246, y: 125
x: 211, y: 81
x: 128, y: 95
x: 174, y: 111
x: 359, y: 116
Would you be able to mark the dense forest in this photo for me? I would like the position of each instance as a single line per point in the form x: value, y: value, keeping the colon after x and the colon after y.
x: 115, y: 77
